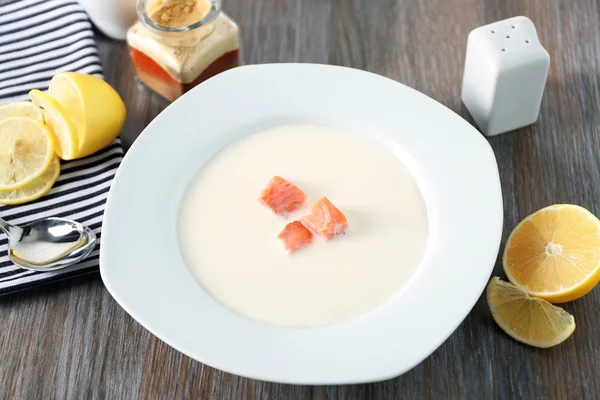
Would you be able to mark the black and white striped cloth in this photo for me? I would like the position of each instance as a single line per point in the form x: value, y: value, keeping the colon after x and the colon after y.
x: 39, y: 38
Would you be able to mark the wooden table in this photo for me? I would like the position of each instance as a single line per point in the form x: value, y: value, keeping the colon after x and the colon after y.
x: 72, y: 340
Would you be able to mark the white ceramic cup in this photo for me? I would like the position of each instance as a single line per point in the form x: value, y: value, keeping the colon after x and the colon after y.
x: 112, y: 17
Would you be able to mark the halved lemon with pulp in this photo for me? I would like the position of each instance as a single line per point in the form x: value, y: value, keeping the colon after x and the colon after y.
x: 527, y: 319
x: 34, y: 189
x: 554, y: 254
x: 95, y: 108
x: 63, y: 129
x: 26, y: 150
x: 21, y: 109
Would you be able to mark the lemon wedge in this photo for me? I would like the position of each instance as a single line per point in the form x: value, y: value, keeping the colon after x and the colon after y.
x: 60, y: 124
x: 34, y: 189
x: 26, y: 150
x: 554, y: 254
x: 21, y: 109
x: 95, y: 108
x: 527, y: 319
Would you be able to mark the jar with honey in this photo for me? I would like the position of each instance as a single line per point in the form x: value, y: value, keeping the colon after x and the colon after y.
x: 177, y: 44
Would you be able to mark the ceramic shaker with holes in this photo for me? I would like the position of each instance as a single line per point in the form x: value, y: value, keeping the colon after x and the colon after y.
x: 505, y: 73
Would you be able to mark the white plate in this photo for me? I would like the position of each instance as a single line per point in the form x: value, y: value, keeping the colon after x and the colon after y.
x: 453, y: 165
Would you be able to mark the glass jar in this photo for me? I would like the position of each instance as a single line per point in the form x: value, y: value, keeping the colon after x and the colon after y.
x: 177, y: 44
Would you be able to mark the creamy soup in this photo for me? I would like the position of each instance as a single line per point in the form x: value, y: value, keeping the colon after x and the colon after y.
x: 228, y: 238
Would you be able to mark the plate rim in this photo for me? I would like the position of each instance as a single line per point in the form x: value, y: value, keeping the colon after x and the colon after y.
x: 116, y: 294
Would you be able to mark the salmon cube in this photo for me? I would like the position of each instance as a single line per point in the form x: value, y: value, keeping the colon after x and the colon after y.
x: 281, y: 196
x: 294, y: 237
x: 325, y: 219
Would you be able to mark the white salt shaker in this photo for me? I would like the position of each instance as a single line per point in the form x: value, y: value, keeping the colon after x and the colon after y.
x: 505, y: 73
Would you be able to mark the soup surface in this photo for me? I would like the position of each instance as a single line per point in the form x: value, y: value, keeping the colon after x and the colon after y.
x: 228, y: 239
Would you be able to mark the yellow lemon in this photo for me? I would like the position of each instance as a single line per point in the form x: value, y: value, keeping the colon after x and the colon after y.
x: 554, y: 254
x: 26, y: 150
x: 34, y: 189
x: 60, y: 124
x: 527, y: 319
x: 21, y: 109
x: 94, y: 106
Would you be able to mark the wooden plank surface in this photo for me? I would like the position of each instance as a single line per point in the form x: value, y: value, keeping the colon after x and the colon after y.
x: 72, y: 340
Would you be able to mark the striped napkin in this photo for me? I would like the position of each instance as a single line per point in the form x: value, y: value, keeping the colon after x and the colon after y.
x: 39, y: 38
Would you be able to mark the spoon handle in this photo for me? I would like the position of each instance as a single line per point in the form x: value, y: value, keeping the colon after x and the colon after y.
x: 8, y: 228
x: 5, y: 226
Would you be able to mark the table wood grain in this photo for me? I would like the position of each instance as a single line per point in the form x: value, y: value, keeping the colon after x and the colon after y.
x: 70, y: 340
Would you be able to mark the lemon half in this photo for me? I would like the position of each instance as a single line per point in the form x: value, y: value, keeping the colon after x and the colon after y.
x: 95, y: 108
x: 554, y: 254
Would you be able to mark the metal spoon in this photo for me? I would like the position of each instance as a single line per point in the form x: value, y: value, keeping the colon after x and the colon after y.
x: 48, y: 244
